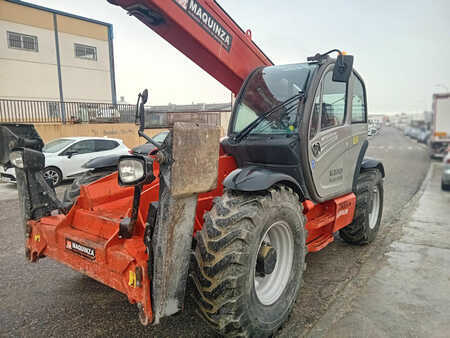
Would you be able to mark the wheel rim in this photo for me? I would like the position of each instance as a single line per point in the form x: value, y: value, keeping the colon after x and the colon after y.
x: 373, y: 215
x: 270, y: 287
x: 52, y: 175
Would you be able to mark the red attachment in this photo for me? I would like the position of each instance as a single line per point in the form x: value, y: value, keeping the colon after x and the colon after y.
x: 204, y: 32
x: 94, y: 221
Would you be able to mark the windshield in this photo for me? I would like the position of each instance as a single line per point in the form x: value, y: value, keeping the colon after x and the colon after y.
x: 56, y: 145
x: 267, y: 88
x: 160, y: 137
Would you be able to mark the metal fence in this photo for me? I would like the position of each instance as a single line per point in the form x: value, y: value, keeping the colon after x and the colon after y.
x: 157, y: 120
x: 27, y: 111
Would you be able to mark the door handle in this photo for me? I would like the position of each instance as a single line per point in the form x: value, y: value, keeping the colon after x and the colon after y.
x: 316, y: 149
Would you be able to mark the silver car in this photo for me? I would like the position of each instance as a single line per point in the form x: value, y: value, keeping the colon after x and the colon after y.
x: 445, y: 183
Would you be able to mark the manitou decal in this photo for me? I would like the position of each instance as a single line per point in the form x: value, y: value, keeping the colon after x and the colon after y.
x: 206, y: 21
x: 80, y: 249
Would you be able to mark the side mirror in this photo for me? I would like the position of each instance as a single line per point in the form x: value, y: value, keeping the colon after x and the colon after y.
x: 144, y: 96
x: 343, y: 68
x: 69, y: 154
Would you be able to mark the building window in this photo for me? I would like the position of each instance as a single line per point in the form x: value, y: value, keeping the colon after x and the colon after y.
x: 22, y: 41
x: 85, y: 52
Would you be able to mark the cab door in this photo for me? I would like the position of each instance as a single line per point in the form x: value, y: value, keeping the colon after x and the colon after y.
x: 358, y: 121
x: 330, y: 138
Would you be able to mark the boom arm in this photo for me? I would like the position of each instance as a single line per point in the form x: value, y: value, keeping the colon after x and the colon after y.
x: 205, y: 33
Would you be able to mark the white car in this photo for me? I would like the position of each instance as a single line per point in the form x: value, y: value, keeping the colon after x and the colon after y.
x: 65, y: 156
x: 7, y: 175
x: 371, y: 131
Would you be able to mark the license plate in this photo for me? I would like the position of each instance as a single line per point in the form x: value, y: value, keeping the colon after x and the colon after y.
x: 80, y: 249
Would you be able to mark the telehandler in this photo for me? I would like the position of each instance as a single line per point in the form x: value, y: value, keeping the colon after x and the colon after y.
x: 236, y: 216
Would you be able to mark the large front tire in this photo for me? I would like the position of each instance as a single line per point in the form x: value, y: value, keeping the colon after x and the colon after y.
x: 369, y: 209
x: 232, y: 295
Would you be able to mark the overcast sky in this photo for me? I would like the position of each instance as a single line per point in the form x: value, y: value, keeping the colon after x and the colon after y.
x: 401, y: 47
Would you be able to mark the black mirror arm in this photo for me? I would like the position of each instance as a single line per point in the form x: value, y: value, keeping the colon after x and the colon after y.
x: 149, y: 139
x: 141, y: 114
x: 319, y: 57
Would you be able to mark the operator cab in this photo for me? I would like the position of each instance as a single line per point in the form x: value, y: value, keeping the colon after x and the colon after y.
x: 302, y: 124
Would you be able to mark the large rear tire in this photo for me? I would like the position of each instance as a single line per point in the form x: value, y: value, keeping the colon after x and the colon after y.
x: 369, y: 209
x: 232, y: 293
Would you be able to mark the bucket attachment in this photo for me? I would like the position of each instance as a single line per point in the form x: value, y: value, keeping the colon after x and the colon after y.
x: 189, y: 166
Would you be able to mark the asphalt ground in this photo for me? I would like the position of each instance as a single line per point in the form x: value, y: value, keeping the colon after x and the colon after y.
x: 50, y: 299
x: 405, y: 290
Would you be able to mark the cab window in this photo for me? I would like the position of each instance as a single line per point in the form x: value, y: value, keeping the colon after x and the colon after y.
x: 333, y: 102
x: 315, y: 116
x: 359, y: 113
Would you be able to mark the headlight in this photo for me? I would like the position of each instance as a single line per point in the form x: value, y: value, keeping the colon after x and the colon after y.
x: 16, y: 158
x: 131, y: 170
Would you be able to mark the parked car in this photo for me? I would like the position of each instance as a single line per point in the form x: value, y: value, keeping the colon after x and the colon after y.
x: 414, y: 133
x: 102, y: 166
x: 7, y: 174
x: 147, y: 148
x: 371, y: 131
x: 424, y: 136
x: 65, y: 156
x: 445, y: 182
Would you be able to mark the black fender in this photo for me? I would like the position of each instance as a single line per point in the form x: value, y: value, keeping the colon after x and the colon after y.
x: 253, y: 178
x: 372, y: 163
x: 108, y: 161
x: 365, y: 163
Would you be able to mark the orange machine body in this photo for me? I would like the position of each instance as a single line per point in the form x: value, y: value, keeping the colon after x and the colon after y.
x: 87, y: 238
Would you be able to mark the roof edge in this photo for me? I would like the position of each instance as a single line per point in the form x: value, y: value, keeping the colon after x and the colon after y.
x: 79, y: 17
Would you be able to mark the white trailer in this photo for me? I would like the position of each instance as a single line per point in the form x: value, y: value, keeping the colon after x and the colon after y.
x: 440, y: 136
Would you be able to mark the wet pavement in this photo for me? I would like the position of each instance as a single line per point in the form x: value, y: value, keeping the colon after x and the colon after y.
x: 406, y: 292
x: 50, y: 299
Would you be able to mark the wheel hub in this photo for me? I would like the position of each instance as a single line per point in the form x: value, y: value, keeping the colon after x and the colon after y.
x: 266, y: 260
x: 274, y: 261
x: 375, y: 209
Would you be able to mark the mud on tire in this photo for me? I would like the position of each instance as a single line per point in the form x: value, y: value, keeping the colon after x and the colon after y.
x: 224, y: 261
x: 363, y: 230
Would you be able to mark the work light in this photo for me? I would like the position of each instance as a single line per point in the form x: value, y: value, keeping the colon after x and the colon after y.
x: 16, y: 158
x: 131, y: 170
x: 134, y: 170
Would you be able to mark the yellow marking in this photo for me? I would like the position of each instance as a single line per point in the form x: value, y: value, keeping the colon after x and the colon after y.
x: 355, y: 139
x: 132, y: 279
x: 291, y: 128
x: 37, y: 238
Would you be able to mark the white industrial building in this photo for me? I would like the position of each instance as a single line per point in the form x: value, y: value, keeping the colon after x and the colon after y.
x: 48, y: 55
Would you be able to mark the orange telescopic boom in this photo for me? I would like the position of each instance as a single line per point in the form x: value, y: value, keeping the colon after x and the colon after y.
x: 205, y: 33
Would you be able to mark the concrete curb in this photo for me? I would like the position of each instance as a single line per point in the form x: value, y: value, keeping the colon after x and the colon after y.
x: 343, y: 301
